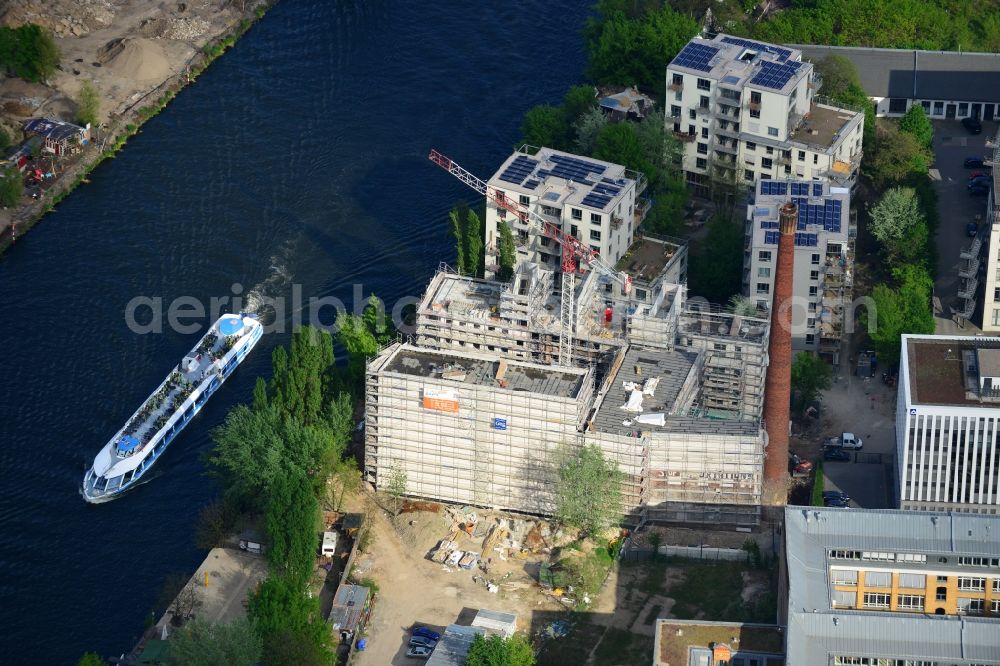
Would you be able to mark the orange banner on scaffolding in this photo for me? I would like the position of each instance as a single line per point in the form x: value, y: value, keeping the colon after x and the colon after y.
x: 441, y: 400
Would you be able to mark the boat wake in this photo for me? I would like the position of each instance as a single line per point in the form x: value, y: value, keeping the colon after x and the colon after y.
x: 260, y: 299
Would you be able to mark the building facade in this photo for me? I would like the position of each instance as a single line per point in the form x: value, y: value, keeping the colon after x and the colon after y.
x: 591, y: 200
x: 891, y: 588
x: 986, y: 254
x: 748, y: 111
x: 948, y: 84
x: 948, y: 423
x: 824, y: 259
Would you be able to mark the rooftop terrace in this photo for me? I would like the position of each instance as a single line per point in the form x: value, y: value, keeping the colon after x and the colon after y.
x: 825, y: 126
x: 690, y: 642
x: 952, y: 371
x: 478, y: 370
x: 647, y: 258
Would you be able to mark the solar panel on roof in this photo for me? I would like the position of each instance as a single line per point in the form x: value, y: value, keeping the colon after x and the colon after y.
x: 775, y: 75
x: 518, y: 170
x: 596, y: 200
x: 695, y: 56
x: 818, y: 190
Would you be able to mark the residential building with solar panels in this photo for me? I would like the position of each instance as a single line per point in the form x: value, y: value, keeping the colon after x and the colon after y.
x: 593, y: 200
x: 748, y: 111
x: 824, y: 259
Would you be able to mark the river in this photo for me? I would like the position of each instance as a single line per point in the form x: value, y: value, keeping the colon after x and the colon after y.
x: 298, y: 158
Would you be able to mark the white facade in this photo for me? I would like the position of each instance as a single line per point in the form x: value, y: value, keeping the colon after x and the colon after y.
x: 824, y: 259
x: 948, y: 424
x: 592, y: 200
x: 991, y: 307
x: 747, y: 111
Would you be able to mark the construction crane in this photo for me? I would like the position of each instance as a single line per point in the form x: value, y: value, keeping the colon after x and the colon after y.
x: 576, y: 256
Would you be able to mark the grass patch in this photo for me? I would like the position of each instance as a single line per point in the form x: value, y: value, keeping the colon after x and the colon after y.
x: 370, y: 584
x: 620, y: 646
x: 817, y: 494
x: 713, y: 591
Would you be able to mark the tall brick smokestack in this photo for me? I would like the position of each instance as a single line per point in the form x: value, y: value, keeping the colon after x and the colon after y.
x: 778, y: 387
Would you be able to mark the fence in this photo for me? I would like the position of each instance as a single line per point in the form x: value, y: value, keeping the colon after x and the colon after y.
x: 688, y: 552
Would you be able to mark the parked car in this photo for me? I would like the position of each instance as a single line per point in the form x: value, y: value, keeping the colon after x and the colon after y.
x: 421, y: 641
x: 836, y: 494
x: 980, y: 180
x: 979, y: 189
x: 426, y: 633
x: 836, y: 455
x: 846, y: 440
x: 973, y: 125
x: 977, y: 174
x: 972, y: 229
x: 974, y: 162
x: 838, y: 503
x: 419, y: 652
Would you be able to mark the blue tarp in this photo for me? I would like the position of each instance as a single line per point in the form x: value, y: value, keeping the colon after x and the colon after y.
x: 127, y: 444
x: 231, y: 325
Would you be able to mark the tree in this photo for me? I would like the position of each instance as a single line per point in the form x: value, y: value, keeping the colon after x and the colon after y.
x: 619, y: 143
x: 917, y: 123
x: 28, y: 52
x: 290, y: 624
x: 810, y: 375
x: 578, y: 101
x: 300, y: 381
x: 715, y: 272
x: 507, y: 251
x: 838, y: 74
x: 88, y: 104
x: 500, y: 651
x: 91, y: 659
x: 898, y: 156
x: 395, y: 485
x: 588, y: 494
x: 11, y: 187
x: 248, y: 454
x: 905, y: 309
x: 215, y: 523
x: 200, y: 643
x: 457, y: 217
x: 545, y: 125
x: 474, y: 245
x: 588, y: 126
x: 898, y: 223
x: 291, y: 522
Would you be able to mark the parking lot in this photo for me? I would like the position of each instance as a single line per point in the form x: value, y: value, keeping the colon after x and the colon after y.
x: 952, y: 144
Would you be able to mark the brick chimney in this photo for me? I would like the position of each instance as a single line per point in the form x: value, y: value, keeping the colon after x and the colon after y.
x: 778, y: 387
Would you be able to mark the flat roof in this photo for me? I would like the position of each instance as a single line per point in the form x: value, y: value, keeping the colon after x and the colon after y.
x: 453, y: 648
x: 680, y: 641
x: 823, y: 212
x: 348, y: 607
x: 944, y: 370
x: 558, y: 178
x: 462, y: 296
x: 825, y: 126
x: 740, y: 62
x: 647, y: 258
x: 481, y: 370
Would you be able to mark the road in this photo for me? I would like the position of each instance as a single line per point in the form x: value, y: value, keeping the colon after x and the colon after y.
x: 952, y: 144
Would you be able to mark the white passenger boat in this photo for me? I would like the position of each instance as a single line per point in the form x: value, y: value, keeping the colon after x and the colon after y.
x: 135, y: 448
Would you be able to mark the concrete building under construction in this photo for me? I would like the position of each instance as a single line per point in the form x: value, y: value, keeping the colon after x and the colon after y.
x: 474, y: 409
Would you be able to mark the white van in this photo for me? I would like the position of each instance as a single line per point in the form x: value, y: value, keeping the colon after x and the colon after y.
x: 846, y: 440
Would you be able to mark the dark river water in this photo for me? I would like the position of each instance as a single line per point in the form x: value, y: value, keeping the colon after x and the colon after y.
x: 297, y: 161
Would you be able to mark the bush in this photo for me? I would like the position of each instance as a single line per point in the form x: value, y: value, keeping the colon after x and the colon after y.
x: 28, y: 52
x: 11, y: 187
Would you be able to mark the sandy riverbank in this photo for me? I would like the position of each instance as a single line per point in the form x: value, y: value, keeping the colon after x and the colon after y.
x: 132, y: 51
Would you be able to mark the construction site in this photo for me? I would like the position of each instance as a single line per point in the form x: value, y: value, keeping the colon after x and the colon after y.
x: 501, y: 379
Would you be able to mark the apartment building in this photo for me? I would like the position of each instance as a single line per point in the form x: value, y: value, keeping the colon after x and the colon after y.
x: 948, y: 423
x: 891, y: 588
x: 594, y: 201
x: 989, y: 255
x: 824, y: 259
x: 748, y: 111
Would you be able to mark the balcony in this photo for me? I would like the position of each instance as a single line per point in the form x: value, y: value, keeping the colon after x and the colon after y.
x: 815, y: 81
x: 731, y: 129
x: 754, y: 106
x: 676, y: 86
x: 726, y: 146
x: 684, y: 136
x: 616, y: 222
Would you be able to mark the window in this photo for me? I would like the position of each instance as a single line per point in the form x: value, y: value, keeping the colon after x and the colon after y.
x: 677, y: 96
x: 815, y: 158
x: 845, y: 554
x: 876, y: 600
x: 963, y: 108
x: 878, y: 578
x: 524, y: 199
x: 812, y: 307
x: 691, y: 130
x: 996, y: 294
x: 811, y: 322
x: 844, y: 598
x: 897, y: 105
x: 595, y: 218
x: 640, y: 294
x: 971, y: 584
x: 764, y: 272
x: 751, y: 145
x: 675, y: 111
x: 912, y: 580
x: 574, y: 230
x: 704, y: 84
x: 595, y: 235
x: 754, y: 104
x: 701, y: 163
x: 704, y: 132
x: 942, y: 594
x: 843, y: 577
x: 996, y: 585
x: 595, y: 248
x: 772, y: 131
x: 815, y: 260
x: 812, y: 290
x: 996, y: 317
x: 764, y: 255
x: 769, y: 150
x: 692, y: 114
x: 576, y: 213
x: 763, y: 288
x: 995, y: 607
x: 766, y: 163
x: 942, y: 579
x: 802, y: 156
x: 678, y: 79
x: 878, y: 556
x: 813, y: 275
x: 747, y: 174
x: 970, y: 606
x: 703, y: 149
x: 910, y: 602
x: 703, y: 102
x: 788, y: 170
x: 938, y: 108
x: 762, y: 305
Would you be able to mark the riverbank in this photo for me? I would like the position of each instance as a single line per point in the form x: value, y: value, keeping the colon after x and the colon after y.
x: 140, y: 79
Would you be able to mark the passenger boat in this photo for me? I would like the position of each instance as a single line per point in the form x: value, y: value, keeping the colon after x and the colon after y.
x: 136, y: 447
